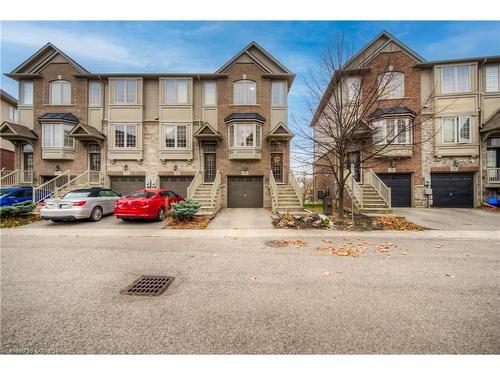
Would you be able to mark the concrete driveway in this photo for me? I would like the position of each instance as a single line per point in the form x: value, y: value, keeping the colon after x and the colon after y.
x: 452, y: 218
x: 242, y: 218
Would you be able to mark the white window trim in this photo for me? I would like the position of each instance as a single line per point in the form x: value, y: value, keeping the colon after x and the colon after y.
x: 215, y: 94
x: 137, y: 136
x: 112, y: 91
x: 176, y: 124
x: 391, y: 94
x: 242, y: 81
x: 164, y: 91
x: 455, y: 79
x: 100, y: 94
x: 63, y: 126
x: 383, y: 125
x: 61, y: 83
x: 493, y: 66
x: 22, y: 97
x: 285, y: 94
x: 235, y: 136
x: 456, y: 130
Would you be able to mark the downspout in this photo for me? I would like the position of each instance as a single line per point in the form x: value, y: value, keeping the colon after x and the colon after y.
x: 479, y: 119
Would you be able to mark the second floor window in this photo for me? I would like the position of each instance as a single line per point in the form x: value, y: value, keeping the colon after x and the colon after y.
x: 60, y: 92
x: 56, y: 135
x: 353, y: 85
x: 456, y: 129
x: 245, y: 92
x: 176, y: 91
x: 278, y: 89
x: 125, y: 135
x: 13, y: 114
x: 455, y: 79
x: 392, y: 131
x: 392, y: 85
x: 125, y: 91
x: 244, y: 135
x: 176, y: 135
x: 26, y: 93
x: 95, y: 93
x: 209, y: 93
x: 491, y: 74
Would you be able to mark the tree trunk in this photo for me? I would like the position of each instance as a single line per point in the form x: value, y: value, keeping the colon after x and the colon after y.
x: 340, y: 208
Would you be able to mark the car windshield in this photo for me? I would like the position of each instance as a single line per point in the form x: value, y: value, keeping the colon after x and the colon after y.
x: 141, y: 194
x: 3, y: 191
x: 77, y: 194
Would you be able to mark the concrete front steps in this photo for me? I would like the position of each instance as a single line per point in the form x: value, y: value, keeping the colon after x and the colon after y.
x: 288, y: 201
x: 202, y: 196
x: 373, y: 203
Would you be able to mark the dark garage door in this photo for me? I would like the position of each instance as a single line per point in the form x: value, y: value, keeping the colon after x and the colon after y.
x: 127, y: 184
x: 245, y: 191
x: 177, y: 184
x: 452, y: 189
x: 400, y: 185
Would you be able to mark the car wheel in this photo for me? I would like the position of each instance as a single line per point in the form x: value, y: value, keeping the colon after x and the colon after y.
x: 96, y: 214
x: 161, y: 215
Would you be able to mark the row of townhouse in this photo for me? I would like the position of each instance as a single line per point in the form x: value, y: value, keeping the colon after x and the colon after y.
x: 451, y: 158
x: 221, y: 138
x: 9, y: 112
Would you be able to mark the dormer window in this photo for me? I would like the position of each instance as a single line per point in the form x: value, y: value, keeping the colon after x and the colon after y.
x: 60, y: 92
x: 392, y: 85
x: 245, y: 92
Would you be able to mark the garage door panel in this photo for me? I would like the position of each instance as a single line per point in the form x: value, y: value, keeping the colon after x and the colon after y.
x: 245, y: 191
x: 177, y: 184
x: 452, y: 189
x: 400, y: 184
x: 127, y: 184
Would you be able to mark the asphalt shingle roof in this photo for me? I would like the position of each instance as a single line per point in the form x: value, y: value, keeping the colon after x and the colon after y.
x: 248, y: 116
x: 65, y: 116
x: 392, y: 111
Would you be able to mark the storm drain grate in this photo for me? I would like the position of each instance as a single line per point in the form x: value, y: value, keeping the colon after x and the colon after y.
x: 149, y: 286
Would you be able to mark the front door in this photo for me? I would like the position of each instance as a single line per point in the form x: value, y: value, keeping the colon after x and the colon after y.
x: 277, y: 166
x: 94, y: 157
x: 209, y: 162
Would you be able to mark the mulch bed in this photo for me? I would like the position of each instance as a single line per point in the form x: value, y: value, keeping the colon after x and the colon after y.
x: 15, y: 221
x: 197, y: 222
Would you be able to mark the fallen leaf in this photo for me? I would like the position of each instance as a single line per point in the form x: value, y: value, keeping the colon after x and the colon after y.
x: 450, y: 275
x: 253, y: 278
x: 327, y: 273
x: 339, y: 271
x: 403, y: 253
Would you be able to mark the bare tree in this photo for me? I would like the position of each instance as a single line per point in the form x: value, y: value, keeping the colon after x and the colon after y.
x: 346, y: 102
x: 306, y: 181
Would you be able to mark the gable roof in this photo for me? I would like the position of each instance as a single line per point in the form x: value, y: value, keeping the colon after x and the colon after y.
x: 384, y: 38
x: 86, y: 132
x: 248, y: 51
x: 206, y: 131
x: 280, y: 131
x: 493, y: 123
x: 13, y: 131
x: 40, y: 59
x: 8, y: 98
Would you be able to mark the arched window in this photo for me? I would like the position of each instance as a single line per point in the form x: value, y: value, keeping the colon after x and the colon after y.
x: 27, y: 157
x: 245, y: 92
x: 392, y: 85
x: 60, y: 92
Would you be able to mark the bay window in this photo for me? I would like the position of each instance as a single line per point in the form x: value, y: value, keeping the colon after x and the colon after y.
x: 209, y: 93
x: 125, y: 91
x: 455, y: 79
x: 176, y: 91
x: 56, y: 135
x: 278, y: 89
x: 176, y: 135
x: 26, y: 93
x: 60, y: 92
x: 125, y: 135
x: 456, y: 129
x: 392, y: 131
x: 491, y: 77
x: 245, y: 92
x: 245, y: 135
x: 95, y: 93
x: 392, y: 85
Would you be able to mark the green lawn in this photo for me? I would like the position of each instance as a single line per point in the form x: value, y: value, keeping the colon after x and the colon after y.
x: 318, y: 207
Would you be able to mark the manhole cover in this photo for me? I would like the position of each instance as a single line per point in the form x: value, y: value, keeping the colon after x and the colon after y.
x: 149, y: 286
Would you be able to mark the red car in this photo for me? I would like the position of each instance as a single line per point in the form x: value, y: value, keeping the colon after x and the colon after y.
x: 146, y: 204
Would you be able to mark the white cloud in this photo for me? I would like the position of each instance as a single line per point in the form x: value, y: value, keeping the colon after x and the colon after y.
x: 93, y: 46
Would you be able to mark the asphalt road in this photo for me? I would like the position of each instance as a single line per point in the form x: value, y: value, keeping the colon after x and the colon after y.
x: 232, y: 294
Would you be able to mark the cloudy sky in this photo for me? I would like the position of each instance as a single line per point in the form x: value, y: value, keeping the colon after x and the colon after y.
x: 205, y: 46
